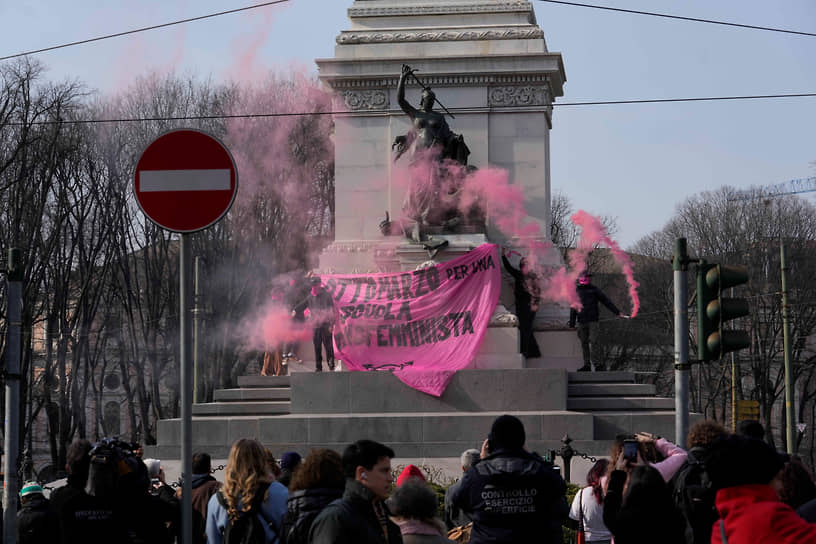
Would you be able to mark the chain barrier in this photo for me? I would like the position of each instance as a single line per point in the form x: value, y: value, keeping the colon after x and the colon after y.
x: 177, y: 484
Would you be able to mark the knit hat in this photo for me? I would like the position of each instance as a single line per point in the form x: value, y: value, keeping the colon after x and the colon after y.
x: 31, y: 488
x: 507, y: 432
x: 410, y: 471
x: 290, y: 460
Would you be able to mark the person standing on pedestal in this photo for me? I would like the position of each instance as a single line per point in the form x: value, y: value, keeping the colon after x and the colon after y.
x: 587, y: 318
x: 527, y: 295
x: 319, y: 310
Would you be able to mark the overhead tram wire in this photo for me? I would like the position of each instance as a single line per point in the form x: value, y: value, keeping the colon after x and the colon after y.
x: 142, y: 29
x: 348, y: 112
x: 681, y: 18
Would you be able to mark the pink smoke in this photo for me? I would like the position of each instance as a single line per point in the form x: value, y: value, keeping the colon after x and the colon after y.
x: 593, y: 233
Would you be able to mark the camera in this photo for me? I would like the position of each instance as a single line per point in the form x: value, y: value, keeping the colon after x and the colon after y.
x: 630, y: 449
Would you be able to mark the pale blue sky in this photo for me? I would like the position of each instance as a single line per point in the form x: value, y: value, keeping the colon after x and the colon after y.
x: 632, y: 162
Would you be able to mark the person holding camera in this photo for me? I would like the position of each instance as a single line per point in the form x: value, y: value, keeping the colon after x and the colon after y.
x: 512, y: 495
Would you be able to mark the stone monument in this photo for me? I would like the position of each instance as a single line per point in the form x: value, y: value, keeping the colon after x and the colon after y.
x: 488, y: 61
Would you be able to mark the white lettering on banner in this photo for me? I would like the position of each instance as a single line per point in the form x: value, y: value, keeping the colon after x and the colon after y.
x: 152, y: 181
x: 509, y: 501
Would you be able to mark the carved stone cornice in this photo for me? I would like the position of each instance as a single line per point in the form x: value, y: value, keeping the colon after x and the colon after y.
x: 429, y: 9
x: 518, y: 95
x: 503, y: 33
x: 369, y: 100
x: 441, y: 81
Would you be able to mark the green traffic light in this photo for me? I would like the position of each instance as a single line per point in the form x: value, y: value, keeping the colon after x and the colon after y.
x: 714, y: 310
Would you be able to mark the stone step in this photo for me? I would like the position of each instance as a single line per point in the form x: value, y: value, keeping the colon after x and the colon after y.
x: 607, y: 425
x: 610, y: 389
x: 606, y: 404
x: 253, y: 393
x: 241, y: 408
x: 263, y: 381
x: 601, y: 377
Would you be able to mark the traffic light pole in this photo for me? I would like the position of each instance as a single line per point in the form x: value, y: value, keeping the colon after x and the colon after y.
x: 682, y: 367
x: 790, y: 416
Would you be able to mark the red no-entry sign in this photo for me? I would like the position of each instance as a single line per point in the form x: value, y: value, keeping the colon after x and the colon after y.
x: 186, y: 180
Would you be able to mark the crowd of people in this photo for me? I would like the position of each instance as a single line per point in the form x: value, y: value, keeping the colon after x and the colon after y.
x: 727, y: 488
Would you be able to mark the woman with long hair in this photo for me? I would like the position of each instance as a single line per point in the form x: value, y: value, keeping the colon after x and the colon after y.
x: 318, y: 481
x: 588, y: 505
x: 249, y: 489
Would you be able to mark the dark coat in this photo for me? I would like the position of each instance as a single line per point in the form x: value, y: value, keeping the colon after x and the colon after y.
x: 37, y: 522
x: 352, y: 520
x: 641, y: 522
x: 513, y: 496
x: 204, y: 487
x: 590, y: 296
x: 302, y: 508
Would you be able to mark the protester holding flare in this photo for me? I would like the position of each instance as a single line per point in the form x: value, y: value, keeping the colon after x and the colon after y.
x: 527, y: 293
x: 318, y: 308
x: 587, y: 318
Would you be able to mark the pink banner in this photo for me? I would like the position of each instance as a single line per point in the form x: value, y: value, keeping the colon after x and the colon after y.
x: 423, y: 325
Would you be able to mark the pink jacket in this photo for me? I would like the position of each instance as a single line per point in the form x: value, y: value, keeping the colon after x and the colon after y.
x: 674, y: 455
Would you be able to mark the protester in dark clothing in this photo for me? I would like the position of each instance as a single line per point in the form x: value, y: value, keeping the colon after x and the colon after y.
x: 204, y: 486
x: 587, y: 318
x: 527, y: 292
x: 644, y: 512
x: 361, y: 516
x: 744, y: 471
x: 77, y: 464
x: 751, y: 428
x: 290, y: 461
x: 149, y: 512
x: 691, y: 487
x: 512, y: 495
x: 414, y: 506
x: 318, y: 308
x: 454, y: 517
x: 37, y: 522
x: 318, y: 481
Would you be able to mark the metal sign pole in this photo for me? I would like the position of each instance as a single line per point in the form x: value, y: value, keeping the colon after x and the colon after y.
x: 186, y: 384
x: 12, y: 428
x: 681, y: 362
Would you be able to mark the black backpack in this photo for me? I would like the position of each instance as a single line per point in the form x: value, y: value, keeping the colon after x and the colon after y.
x: 694, y: 495
x: 249, y: 527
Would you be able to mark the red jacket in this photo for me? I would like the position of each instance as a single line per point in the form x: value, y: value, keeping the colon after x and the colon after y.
x: 754, y: 514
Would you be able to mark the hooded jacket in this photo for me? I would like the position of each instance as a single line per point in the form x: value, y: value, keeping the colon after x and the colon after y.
x: 513, y: 496
x: 352, y: 520
x: 753, y: 514
x: 302, y: 507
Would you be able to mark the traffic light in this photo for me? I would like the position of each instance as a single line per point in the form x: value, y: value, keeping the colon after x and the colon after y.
x: 713, y: 310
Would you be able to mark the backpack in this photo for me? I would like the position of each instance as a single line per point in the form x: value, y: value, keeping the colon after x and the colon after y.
x: 693, y: 495
x: 248, y: 528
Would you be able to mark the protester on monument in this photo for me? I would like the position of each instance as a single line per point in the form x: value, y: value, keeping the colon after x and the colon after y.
x: 744, y: 470
x: 691, y: 487
x: 587, y: 506
x: 37, y: 522
x: 204, y: 487
x: 666, y: 457
x: 527, y: 293
x: 318, y: 481
x: 274, y: 362
x: 512, y: 495
x: 249, y: 489
x: 290, y: 461
x: 77, y: 463
x: 296, y: 292
x: 796, y: 486
x: 318, y: 308
x: 361, y: 516
x: 454, y: 517
x: 413, y: 506
x: 638, y: 507
x: 587, y: 319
